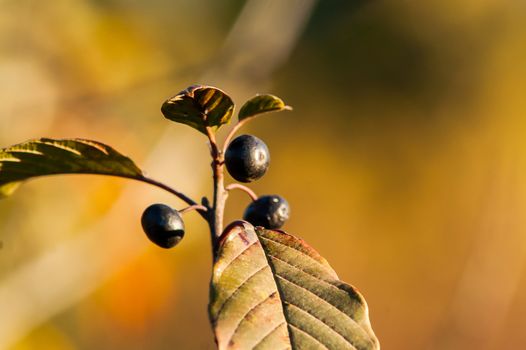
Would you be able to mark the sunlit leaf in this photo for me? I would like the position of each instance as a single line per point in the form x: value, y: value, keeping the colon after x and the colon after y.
x: 199, y: 107
x: 261, y: 104
x: 69, y: 156
x: 270, y: 290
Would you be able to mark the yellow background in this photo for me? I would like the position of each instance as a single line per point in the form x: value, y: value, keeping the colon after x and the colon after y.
x: 403, y: 161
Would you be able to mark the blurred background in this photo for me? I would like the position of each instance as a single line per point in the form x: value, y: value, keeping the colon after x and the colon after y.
x: 403, y: 161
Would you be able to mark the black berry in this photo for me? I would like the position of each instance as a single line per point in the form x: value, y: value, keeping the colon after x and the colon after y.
x: 269, y: 211
x: 163, y: 225
x: 247, y: 158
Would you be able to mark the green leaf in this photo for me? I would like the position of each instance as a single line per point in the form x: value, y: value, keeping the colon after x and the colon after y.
x: 262, y: 104
x: 270, y: 290
x: 70, y: 156
x: 199, y: 107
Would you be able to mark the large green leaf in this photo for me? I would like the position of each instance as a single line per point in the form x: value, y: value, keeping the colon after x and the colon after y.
x: 199, y: 107
x: 270, y: 290
x: 69, y: 156
x: 260, y: 104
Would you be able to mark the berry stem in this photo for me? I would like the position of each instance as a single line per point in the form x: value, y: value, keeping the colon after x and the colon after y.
x: 202, y: 210
x: 243, y: 188
x: 233, y: 132
x: 197, y: 207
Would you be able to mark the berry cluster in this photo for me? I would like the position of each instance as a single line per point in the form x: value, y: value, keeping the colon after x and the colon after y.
x: 247, y: 159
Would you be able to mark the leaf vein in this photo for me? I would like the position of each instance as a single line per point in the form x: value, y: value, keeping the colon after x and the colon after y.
x: 237, y: 256
x: 252, y: 309
x: 320, y: 321
x: 309, y: 335
x: 59, y: 146
x: 299, y: 251
x: 238, y: 288
x: 326, y: 302
x: 11, y: 159
x: 268, y: 334
x: 314, y: 276
x: 14, y: 150
x: 94, y: 145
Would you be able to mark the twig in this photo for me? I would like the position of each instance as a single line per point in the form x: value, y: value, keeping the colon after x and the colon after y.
x: 233, y: 132
x: 196, y: 207
x: 178, y: 194
x: 243, y: 188
x: 220, y: 195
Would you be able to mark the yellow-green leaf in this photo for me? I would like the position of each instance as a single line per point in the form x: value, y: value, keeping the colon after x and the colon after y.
x: 68, y: 156
x: 199, y: 107
x: 270, y: 290
x: 260, y: 104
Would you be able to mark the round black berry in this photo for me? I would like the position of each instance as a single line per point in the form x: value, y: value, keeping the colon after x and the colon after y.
x: 163, y: 225
x: 269, y: 211
x: 247, y: 158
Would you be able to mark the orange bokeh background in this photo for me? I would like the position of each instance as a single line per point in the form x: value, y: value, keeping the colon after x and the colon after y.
x: 403, y: 161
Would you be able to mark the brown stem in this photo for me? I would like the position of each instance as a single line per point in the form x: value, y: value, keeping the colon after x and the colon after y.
x: 243, y: 188
x: 233, y: 132
x: 178, y: 194
x: 197, y: 207
x: 220, y: 194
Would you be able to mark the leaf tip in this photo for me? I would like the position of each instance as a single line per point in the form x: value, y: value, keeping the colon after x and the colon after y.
x: 262, y: 104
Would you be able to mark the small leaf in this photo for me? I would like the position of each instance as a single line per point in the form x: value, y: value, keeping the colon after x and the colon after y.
x: 69, y: 156
x: 262, y: 104
x: 199, y: 107
x: 270, y: 290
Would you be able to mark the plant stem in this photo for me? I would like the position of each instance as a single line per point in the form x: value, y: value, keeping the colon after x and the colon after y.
x: 220, y: 194
x: 243, y: 188
x: 196, y: 207
x: 200, y: 209
x: 233, y: 132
